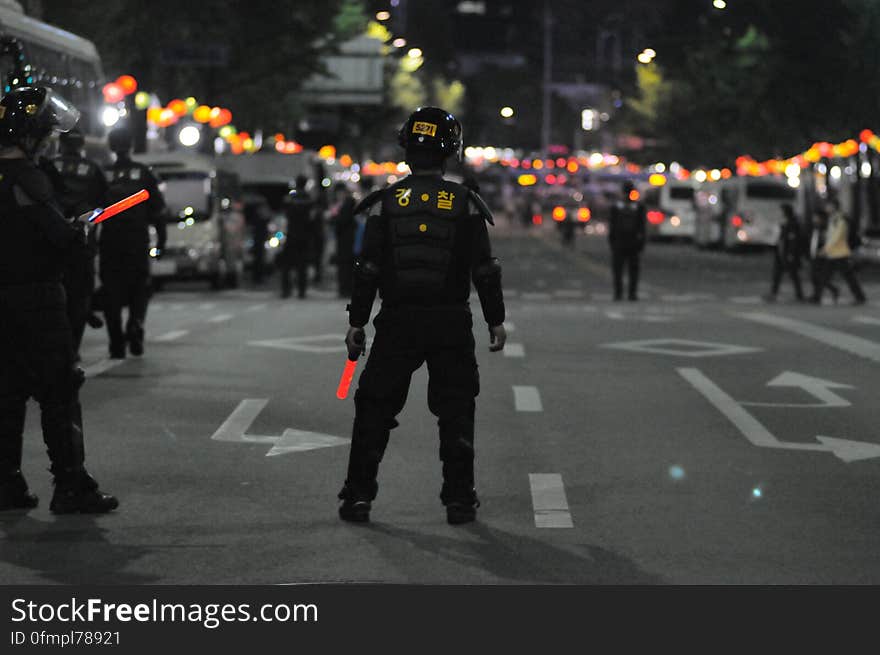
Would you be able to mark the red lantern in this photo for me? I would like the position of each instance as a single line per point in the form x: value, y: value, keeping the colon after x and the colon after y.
x: 865, y: 136
x: 223, y: 117
x: 113, y: 93
x: 127, y: 83
x: 178, y: 107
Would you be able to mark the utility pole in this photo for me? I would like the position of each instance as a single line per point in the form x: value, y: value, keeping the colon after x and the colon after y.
x: 546, y: 118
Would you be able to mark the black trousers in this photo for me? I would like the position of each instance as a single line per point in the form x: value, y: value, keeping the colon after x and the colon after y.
x: 628, y: 258
x: 843, y: 266
x: 405, y: 339
x: 793, y: 270
x: 290, y: 259
x: 37, y: 361
x: 125, y: 288
x: 79, y: 285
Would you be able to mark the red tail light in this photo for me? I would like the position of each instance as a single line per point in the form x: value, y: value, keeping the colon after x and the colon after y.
x: 736, y: 221
x: 537, y: 219
x: 656, y: 217
x: 559, y: 214
x: 584, y: 214
x: 550, y: 179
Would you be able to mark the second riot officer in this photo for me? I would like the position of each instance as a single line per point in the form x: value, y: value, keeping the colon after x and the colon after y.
x: 36, y: 353
x: 425, y: 242
x: 626, y: 235
x: 82, y: 188
x: 124, y: 247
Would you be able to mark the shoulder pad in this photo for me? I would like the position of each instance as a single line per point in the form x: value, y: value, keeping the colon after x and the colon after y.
x: 365, y: 204
x: 36, y: 185
x: 474, y: 197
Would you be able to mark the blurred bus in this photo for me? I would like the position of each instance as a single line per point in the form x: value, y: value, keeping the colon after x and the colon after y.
x: 744, y: 211
x: 63, y: 61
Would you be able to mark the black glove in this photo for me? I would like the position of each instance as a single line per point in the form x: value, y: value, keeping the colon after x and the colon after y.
x: 355, y: 341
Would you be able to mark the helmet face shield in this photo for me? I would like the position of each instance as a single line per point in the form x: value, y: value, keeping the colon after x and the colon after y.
x: 64, y: 116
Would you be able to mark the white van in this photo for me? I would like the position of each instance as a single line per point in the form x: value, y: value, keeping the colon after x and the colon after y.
x: 744, y: 211
x: 206, y: 226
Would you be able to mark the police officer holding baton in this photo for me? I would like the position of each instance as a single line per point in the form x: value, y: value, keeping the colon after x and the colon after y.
x: 425, y: 242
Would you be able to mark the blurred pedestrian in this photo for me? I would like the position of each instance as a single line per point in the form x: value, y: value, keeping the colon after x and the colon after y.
x: 257, y: 215
x: 626, y: 235
x: 838, y: 256
x: 81, y: 185
x: 344, y: 228
x: 300, y: 209
x: 787, y: 254
x: 124, y: 247
x: 818, y: 261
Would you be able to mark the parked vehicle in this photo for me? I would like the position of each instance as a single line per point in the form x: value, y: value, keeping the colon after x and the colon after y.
x: 206, y: 226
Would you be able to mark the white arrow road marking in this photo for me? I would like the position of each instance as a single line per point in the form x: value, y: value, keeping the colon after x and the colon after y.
x: 816, y: 387
x: 527, y: 399
x: 549, y: 501
x: 514, y: 350
x: 297, y: 441
x: 102, y: 366
x: 758, y: 435
x: 866, y: 320
x: 174, y: 335
x: 834, y: 338
x: 291, y: 441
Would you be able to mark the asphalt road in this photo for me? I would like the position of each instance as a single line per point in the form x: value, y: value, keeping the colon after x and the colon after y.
x: 615, y: 441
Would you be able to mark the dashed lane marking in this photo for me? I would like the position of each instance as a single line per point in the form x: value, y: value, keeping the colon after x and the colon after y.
x: 527, y: 399
x: 102, y: 366
x: 569, y: 293
x: 257, y: 308
x: 858, y: 346
x: 514, y: 350
x: 866, y: 320
x: 536, y: 295
x: 746, y: 300
x: 176, y: 306
x: 509, y: 326
x: 220, y: 318
x: 549, y: 501
x: 615, y: 316
x: 174, y: 335
x: 206, y: 306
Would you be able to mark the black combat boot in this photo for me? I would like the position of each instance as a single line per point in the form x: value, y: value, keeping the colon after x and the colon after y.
x: 458, y: 492
x: 76, y: 492
x: 14, y: 493
x: 354, y: 508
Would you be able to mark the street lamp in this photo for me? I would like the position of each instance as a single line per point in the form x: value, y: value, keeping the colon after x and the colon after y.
x: 646, y: 56
x: 506, y: 112
x: 719, y: 4
x: 414, y: 53
x: 383, y: 15
x: 398, y: 42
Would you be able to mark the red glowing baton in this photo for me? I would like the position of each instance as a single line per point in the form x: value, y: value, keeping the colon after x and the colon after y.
x: 100, y: 215
x: 348, y: 373
x: 345, y: 380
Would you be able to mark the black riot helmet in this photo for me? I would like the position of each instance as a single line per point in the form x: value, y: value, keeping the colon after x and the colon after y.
x: 431, y: 130
x: 28, y: 115
x: 120, y: 140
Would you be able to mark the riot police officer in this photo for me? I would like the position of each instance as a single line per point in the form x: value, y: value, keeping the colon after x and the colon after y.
x: 82, y: 187
x: 626, y: 235
x: 124, y: 247
x: 301, y: 210
x: 36, y: 353
x: 425, y: 241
